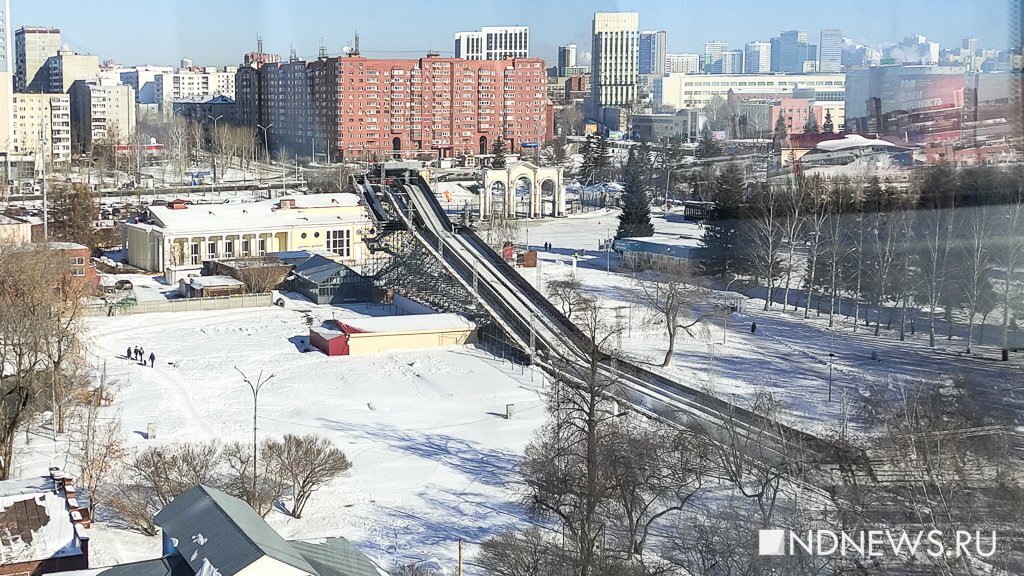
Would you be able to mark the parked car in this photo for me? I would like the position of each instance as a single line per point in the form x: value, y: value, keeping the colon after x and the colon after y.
x: 158, y: 202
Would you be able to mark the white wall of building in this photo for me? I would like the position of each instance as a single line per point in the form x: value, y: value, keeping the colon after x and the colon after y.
x: 615, y: 58
x: 696, y: 90
x: 493, y: 43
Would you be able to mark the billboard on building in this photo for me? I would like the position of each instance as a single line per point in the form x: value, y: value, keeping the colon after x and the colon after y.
x: 923, y: 107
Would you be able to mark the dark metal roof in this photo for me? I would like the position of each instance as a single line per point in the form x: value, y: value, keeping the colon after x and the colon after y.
x: 318, y: 269
x: 208, y: 524
x: 335, y: 557
x: 169, y: 566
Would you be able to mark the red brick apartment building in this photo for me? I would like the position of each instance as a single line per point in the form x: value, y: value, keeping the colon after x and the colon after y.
x: 356, y: 107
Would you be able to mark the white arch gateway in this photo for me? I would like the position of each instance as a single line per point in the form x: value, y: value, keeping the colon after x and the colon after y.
x: 522, y: 190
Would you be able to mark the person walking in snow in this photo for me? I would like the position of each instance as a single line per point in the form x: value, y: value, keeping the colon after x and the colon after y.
x: 152, y: 359
x: 135, y: 353
x: 753, y: 327
x: 128, y: 353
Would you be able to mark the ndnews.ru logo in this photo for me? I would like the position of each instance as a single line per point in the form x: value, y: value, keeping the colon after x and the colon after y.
x: 876, y: 543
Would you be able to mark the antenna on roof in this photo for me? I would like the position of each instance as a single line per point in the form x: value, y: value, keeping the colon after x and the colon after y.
x: 355, y: 48
x: 291, y: 53
x: 259, y: 44
x: 323, y: 48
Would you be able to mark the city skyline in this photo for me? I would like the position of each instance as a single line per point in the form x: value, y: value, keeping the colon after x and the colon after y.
x: 225, y: 30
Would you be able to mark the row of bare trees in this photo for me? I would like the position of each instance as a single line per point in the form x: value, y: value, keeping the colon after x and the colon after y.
x: 293, y: 467
x: 952, y: 243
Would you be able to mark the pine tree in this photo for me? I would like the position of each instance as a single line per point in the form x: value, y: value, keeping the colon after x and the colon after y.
x: 811, y: 126
x: 708, y: 146
x: 602, y: 159
x: 780, y: 132
x: 722, y: 254
x: 498, y: 154
x: 828, y: 127
x: 635, y: 219
x: 586, y: 169
x: 75, y: 214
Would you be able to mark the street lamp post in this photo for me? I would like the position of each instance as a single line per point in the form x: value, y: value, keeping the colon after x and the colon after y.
x: 266, y: 148
x: 255, y: 388
x: 214, y: 142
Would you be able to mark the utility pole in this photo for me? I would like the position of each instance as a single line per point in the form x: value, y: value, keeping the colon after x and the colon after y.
x: 42, y: 166
x: 255, y: 388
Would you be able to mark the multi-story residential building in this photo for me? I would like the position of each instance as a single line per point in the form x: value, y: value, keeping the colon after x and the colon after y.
x: 358, y: 107
x: 67, y: 67
x: 206, y: 111
x: 615, y: 61
x: 758, y: 58
x: 178, y: 238
x: 653, y: 51
x: 101, y: 113
x: 493, y: 43
x: 713, y: 54
x: 247, y: 96
x: 792, y: 54
x: 577, y: 87
x: 683, y: 63
x: 45, y: 116
x: 566, y: 59
x: 696, y: 91
x: 916, y: 104
x: 830, y: 50
x: 6, y: 81
x: 191, y: 83
x: 33, y: 46
x: 142, y: 79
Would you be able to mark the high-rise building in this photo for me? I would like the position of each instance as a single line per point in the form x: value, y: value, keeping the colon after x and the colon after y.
x: 68, y: 66
x: 47, y: 116
x: 101, y: 113
x: 914, y: 49
x: 493, y: 43
x: 6, y: 79
x: 682, y: 63
x: 791, y: 53
x: 653, y: 49
x: 355, y: 107
x: 615, y: 60
x: 192, y: 83
x: 691, y: 91
x: 566, y: 59
x: 731, y: 62
x: 33, y: 46
x: 713, y: 54
x: 142, y: 79
x: 758, y: 58
x: 830, y: 50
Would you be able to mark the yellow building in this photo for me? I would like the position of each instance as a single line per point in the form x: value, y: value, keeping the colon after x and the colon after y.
x: 178, y: 238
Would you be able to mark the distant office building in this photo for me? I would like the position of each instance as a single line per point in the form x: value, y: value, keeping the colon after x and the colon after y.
x: 792, y: 54
x: 916, y: 104
x: 731, y: 62
x: 68, y: 66
x: 713, y: 54
x: 33, y: 46
x: 493, y: 43
x: 830, y: 50
x: 42, y: 123
x: 682, y: 125
x: 101, y: 113
x: 914, y: 49
x: 653, y: 50
x: 683, y: 63
x: 758, y: 58
x: 577, y: 71
x: 615, y: 60
x: 566, y: 58
x: 696, y: 91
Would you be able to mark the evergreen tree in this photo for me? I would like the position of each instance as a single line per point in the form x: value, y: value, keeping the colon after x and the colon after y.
x: 811, y: 126
x: 602, y: 159
x: 722, y: 254
x: 708, y: 147
x: 780, y: 132
x: 586, y: 169
x: 75, y: 214
x: 828, y: 127
x: 498, y: 154
x: 635, y: 219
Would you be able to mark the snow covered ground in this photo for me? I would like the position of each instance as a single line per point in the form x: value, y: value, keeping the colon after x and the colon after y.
x: 788, y: 355
x: 425, y: 430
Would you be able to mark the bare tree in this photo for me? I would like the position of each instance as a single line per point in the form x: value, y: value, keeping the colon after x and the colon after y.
x: 259, y: 279
x: 816, y: 216
x: 521, y: 552
x: 1009, y: 252
x: 307, y: 462
x: 976, y: 250
x: 330, y: 180
x: 263, y: 493
x: 569, y: 294
x: 765, y: 229
x: 672, y: 291
x: 794, y: 198
x: 99, y: 450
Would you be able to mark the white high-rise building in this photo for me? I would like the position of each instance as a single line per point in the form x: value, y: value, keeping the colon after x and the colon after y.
x: 615, y: 60
x: 493, y: 43
x: 830, y: 50
x: 653, y: 50
x: 713, y: 53
x: 758, y: 58
x: 566, y: 58
x: 101, y: 113
x: 168, y: 87
x: 682, y: 63
x: 47, y: 116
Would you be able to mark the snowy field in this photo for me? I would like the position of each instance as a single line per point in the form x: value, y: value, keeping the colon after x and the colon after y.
x: 788, y: 355
x: 425, y: 430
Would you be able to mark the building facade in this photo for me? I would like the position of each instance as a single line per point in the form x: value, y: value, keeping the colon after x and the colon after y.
x: 653, y: 51
x: 830, y: 50
x: 493, y: 43
x: 615, y: 60
x: 916, y: 104
x: 792, y: 54
x: 101, y: 113
x: 758, y: 58
x: 682, y: 63
x: 566, y: 59
x: 6, y: 80
x: 33, y: 46
x: 67, y: 67
x: 45, y: 116
x: 713, y: 55
x: 355, y: 107
x: 731, y: 62
x: 192, y: 83
x: 696, y: 91
x: 142, y: 79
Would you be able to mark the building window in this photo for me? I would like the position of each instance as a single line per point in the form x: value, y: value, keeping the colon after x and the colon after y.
x: 340, y: 242
x: 262, y: 247
x: 245, y: 247
x: 194, y: 253
x: 211, y: 249
x: 229, y: 248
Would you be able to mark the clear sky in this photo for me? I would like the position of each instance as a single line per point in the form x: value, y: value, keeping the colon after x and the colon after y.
x: 218, y: 32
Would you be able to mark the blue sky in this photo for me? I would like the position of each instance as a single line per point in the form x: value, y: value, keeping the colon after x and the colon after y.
x: 218, y: 32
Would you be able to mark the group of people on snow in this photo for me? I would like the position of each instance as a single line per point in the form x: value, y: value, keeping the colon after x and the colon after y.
x: 139, y: 355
